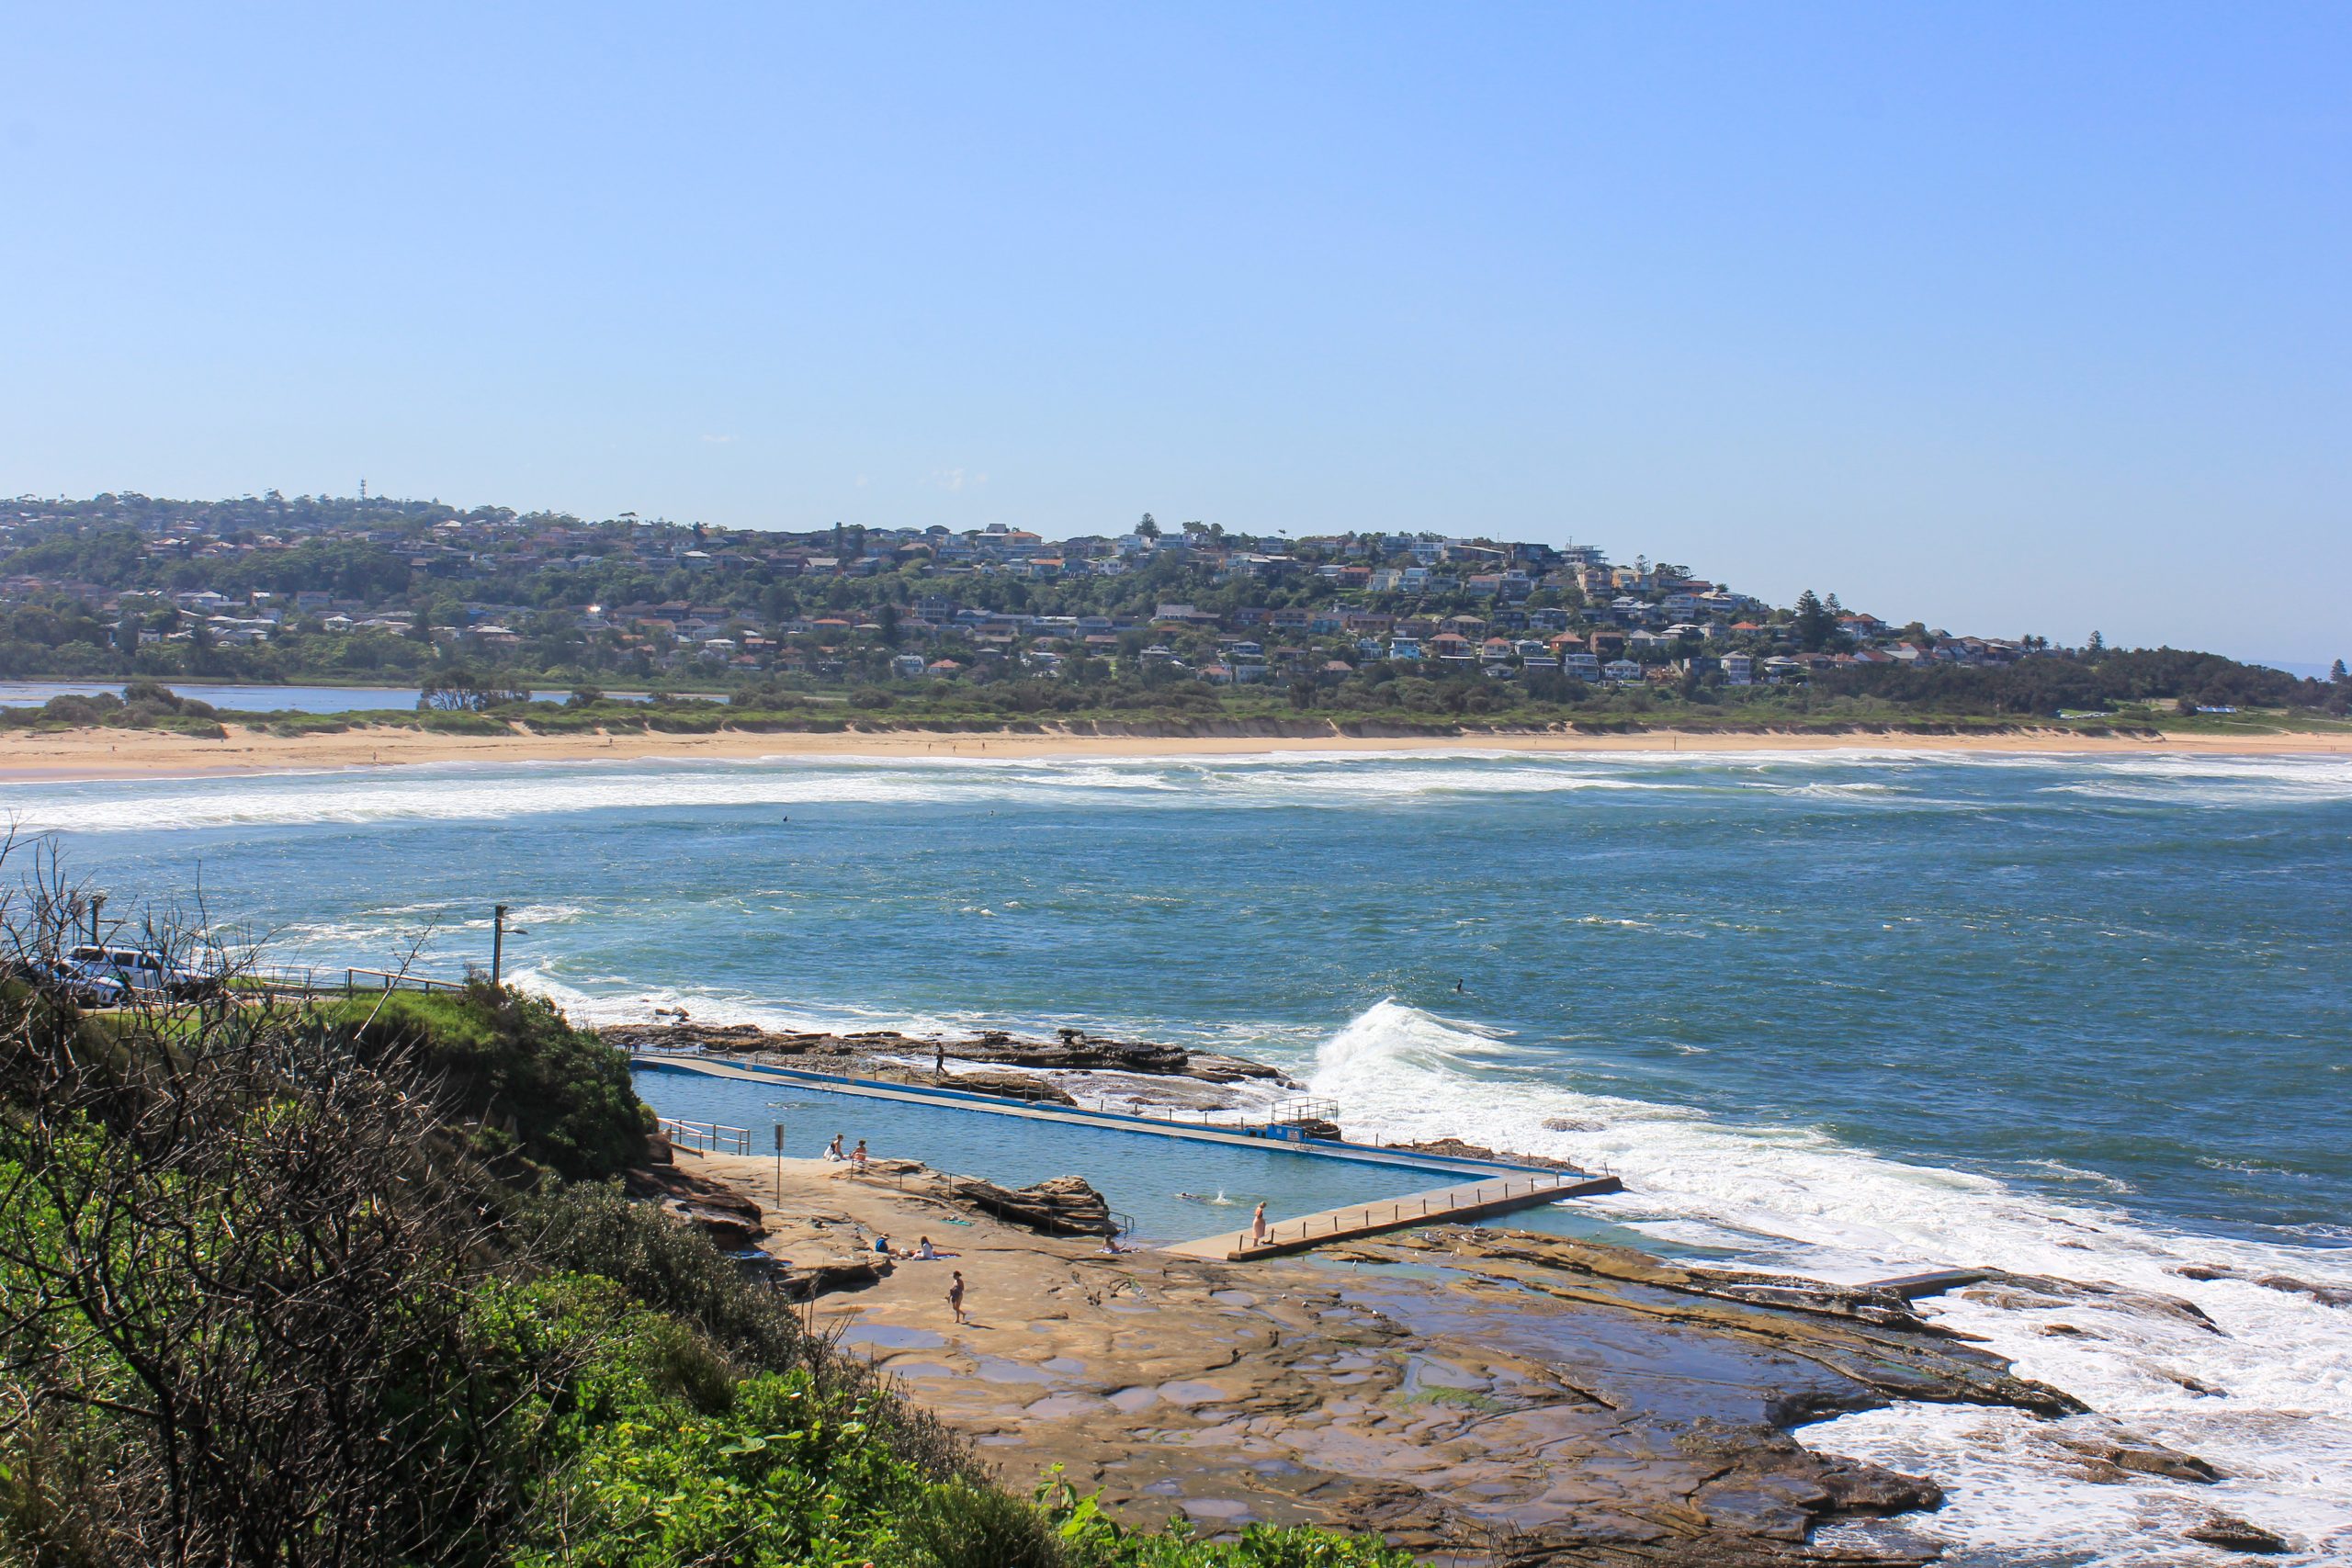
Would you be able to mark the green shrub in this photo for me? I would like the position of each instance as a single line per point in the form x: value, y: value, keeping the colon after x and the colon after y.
x: 557, y: 1096
x: 783, y: 1476
x: 459, y: 722
x: 963, y: 1525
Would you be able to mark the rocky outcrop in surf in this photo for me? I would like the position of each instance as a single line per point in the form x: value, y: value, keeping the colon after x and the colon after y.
x: 888, y: 1054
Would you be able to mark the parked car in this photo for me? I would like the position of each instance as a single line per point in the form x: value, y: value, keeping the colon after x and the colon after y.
x: 82, y: 985
x: 141, y: 973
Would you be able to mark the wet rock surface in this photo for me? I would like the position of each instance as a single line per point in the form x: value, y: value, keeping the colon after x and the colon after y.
x: 1873, y: 1344
x: 1514, y: 1398
x: 1026, y: 1086
x: 2118, y: 1456
x: 888, y: 1054
x: 2234, y: 1534
x: 2000, y: 1288
x: 2326, y: 1295
x: 1455, y: 1149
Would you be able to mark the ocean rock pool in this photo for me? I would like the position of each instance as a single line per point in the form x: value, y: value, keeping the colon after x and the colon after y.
x: 1141, y: 1174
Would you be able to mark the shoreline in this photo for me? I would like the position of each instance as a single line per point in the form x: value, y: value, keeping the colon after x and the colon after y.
x: 95, y: 754
x: 1600, y: 1403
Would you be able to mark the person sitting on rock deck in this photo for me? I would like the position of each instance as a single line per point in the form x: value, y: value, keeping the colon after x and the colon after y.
x: 833, y: 1149
x: 858, y: 1157
x: 925, y: 1251
x: 882, y: 1245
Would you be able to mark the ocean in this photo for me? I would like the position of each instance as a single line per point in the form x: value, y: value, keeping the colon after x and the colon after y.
x: 1845, y: 1013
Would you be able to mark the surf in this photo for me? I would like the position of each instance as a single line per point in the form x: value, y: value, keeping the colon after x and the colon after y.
x: 1792, y: 1199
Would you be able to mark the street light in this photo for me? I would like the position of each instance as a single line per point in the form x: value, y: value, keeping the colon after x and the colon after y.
x: 498, y: 940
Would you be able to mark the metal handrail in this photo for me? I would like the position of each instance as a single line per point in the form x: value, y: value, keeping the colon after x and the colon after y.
x: 390, y: 981
x: 1337, y: 1220
x: 706, y: 1137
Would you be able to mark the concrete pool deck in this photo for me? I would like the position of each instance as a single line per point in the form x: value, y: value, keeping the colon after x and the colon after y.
x: 1495, y: 1186
x: 1446, y: 1205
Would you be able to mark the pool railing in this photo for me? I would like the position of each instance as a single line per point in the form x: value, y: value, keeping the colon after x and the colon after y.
x: 709, y: 1137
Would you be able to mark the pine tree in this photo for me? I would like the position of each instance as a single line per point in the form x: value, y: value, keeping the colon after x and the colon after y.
x: 1814, y: 623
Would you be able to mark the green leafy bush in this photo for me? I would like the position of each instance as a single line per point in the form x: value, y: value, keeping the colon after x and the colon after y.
x: 557, y: 1096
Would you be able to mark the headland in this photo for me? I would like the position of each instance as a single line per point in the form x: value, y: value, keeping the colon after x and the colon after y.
x: 1561, y: 1401
x: 1530, y: 1397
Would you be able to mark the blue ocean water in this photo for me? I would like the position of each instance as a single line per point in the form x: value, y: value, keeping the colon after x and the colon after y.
x: 1854, y: 1012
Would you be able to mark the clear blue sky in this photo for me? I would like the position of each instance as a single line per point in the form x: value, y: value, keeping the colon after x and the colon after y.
x: 2022, y: 318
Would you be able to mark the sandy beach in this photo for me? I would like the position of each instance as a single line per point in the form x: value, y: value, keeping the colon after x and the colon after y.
x: 30, y: 756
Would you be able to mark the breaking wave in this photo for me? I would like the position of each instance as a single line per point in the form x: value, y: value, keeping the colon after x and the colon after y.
x: 2278, y: 1422
x: 458, y: 792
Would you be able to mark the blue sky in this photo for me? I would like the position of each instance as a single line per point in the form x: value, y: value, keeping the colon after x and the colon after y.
x: 2012, y: 318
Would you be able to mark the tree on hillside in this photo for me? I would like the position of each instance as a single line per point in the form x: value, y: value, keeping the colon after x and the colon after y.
x: 1815, y: 624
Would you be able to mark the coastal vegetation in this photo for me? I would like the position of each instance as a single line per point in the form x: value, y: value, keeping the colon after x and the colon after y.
x: 2145, y: 692
x: 355, y: 1282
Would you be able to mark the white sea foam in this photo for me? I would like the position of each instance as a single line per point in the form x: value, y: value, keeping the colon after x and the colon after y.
x: 458, y: 792
x: 594, y: 1000
x: 2281, y: 1429
x: 2176, y: 780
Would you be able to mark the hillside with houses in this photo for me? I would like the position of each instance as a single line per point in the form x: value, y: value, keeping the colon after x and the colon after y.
x: 372, y: 589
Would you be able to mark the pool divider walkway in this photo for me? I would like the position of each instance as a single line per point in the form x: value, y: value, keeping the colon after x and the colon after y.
x: 1446, y: 1205
x: 1107, y: 1121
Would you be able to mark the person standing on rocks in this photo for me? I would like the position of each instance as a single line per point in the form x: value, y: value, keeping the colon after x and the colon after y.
x: 955, y: 1294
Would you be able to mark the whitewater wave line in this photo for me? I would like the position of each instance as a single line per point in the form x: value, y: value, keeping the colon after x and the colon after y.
x: 503, y: 791
x: 1799, y: 1201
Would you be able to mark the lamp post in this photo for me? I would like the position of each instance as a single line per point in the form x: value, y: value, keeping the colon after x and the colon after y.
x: 498, y: 941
